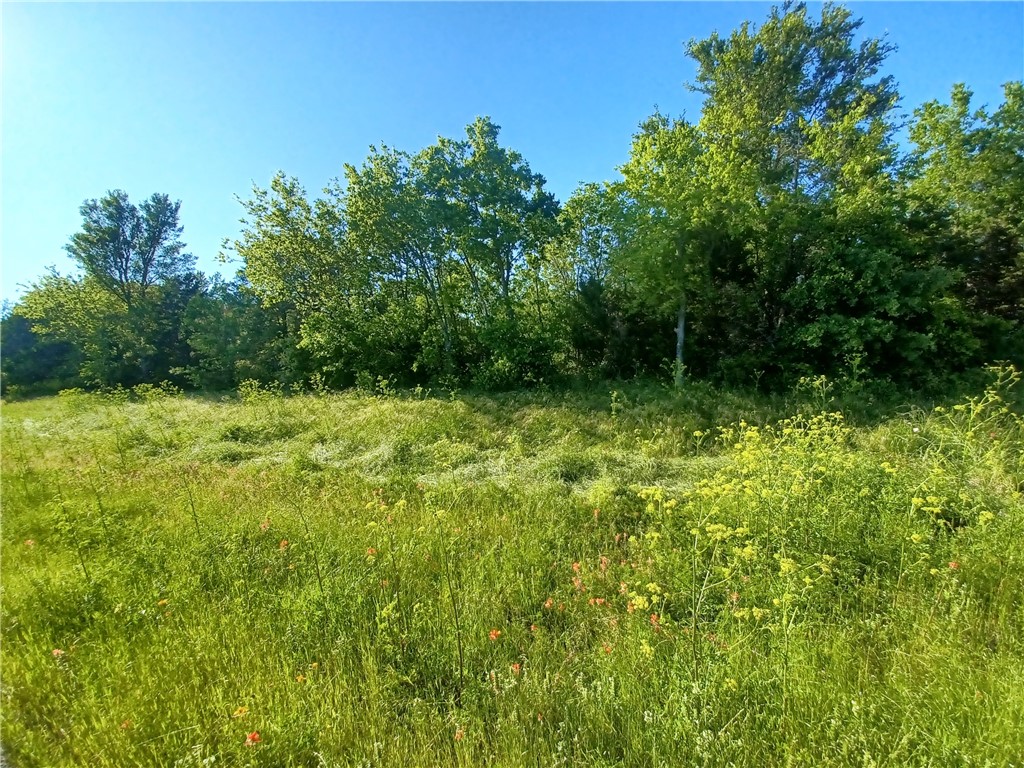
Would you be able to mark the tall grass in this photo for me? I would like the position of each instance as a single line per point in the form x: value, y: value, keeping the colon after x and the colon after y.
x: 622, y: 578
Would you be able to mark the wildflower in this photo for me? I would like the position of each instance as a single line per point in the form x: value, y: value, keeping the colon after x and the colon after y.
x: 656, y: 622
x: 315, y: 665
x: 954, y: 565
x: 57, y: 653
x: 126, y: 725
x: 265, y: 524
x: 787, y: 566
x: 163, y: 602
x: 549, y: 603
x: 916, y: 430
x: 604, y: 563
x: 240, y: 712
x: 460, y: 734
x: 252, y: 739
x: 734, y: 597
x: 494, y: 634
x: 29, y: 543
x: 300, y: 678
x: 533, y: 627
x: 371, y: 551
x: 516, y: 668
x: 283, y: 544
x: 730, y: 684
x: 606, y: 648
x: 596, y: 512
x: 576, y: 567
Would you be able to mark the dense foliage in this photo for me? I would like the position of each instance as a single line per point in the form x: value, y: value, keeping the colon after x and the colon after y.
x: 784, y: 233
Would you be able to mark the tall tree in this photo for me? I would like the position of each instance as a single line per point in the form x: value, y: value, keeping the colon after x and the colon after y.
x: 128, y: 249
x: 966, y: 176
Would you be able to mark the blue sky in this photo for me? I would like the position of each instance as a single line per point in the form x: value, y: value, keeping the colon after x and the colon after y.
x: 200, y: 101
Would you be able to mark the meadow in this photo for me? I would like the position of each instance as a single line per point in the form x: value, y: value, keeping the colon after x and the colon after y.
x: 622, y: 576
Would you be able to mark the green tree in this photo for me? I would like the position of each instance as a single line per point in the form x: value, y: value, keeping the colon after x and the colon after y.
x: 33, y: 363
x: 128, y: 249
x: 966, y: 184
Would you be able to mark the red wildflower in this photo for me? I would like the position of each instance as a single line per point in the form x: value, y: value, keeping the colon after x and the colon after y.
x: 57, y: 653
x: 252, y: 739
x: 576, y: 567
x: 460, y: 734
x: 494, y: 634
x: 607, y: 648
x: 371, y: 551
x: 954, y: 565
x: 549, y: 603
x: 265, y: 524
x: 283, y: 544
x: 516, y: 668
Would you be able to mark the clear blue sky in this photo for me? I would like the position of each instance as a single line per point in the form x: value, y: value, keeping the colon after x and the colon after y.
x: 202, y: 100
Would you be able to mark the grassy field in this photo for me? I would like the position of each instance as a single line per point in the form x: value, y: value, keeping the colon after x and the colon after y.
x: 637, y: 578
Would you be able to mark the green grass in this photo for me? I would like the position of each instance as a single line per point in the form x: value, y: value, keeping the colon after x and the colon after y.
x: 645, y: 578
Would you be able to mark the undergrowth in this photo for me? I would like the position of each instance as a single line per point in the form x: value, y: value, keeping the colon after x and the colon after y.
x: 633, y: 578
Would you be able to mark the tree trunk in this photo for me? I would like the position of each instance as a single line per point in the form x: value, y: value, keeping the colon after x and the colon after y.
x: 680, y: 338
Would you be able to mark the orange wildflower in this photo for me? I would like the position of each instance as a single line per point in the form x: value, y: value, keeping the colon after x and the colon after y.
x: 494, y: 634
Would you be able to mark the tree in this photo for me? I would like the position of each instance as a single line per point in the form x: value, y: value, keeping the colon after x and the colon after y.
x: 966, y: 183
x: 32, y: 362
x: 112, y: 349
x: 675, y: 227
x: 128, y: 249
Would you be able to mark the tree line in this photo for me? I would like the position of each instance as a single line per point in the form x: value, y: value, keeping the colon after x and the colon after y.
x: 787, y: 231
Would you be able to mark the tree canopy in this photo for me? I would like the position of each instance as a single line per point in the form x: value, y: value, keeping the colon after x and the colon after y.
x: 781, y: 232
